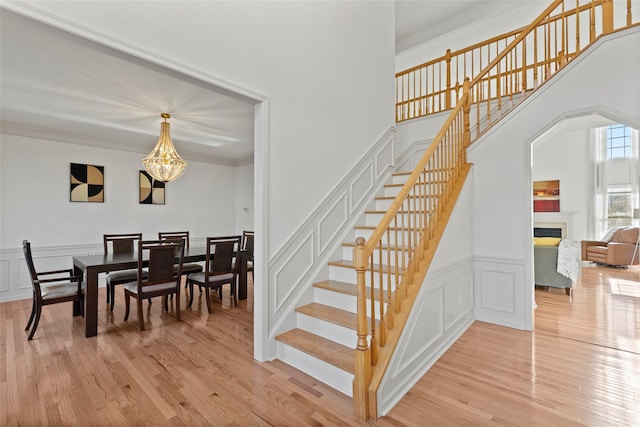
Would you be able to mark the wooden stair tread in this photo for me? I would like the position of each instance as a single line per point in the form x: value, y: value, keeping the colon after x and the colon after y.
x: 345, y: 288
x: 330, y: 314
x: 329, y: 351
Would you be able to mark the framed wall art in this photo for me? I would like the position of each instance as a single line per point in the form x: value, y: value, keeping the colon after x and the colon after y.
x: 152, y: 192
x: 87, y: 183
x: 546, y: 196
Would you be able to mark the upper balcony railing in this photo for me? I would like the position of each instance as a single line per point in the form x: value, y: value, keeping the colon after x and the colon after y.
x: 436, y: 85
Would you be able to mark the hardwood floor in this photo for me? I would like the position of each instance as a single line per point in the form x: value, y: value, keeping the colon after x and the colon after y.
x: 581, y: 366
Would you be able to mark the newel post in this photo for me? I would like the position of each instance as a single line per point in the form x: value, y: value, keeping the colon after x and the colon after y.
x: 607, y: 16
x: 447, y: 100
x: 362, y: 376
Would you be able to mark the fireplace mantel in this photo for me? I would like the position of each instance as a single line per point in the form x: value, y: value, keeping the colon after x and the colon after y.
x: 562, y: 220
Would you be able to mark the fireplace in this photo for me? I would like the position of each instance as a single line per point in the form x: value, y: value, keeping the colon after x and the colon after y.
x: 547, y: 232
x: 554, y: 224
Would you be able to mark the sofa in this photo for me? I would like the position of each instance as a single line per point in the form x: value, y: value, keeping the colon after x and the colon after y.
x: 545, y: 271
x: 616, y: 249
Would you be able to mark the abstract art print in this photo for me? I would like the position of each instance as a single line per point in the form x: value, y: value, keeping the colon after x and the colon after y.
x: 151, y: 191
x: 546, y: 196
x: 87, y: 183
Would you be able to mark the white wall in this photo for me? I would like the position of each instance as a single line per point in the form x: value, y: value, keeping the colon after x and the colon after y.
x: 35, y: 197
x: 244, y: 198
x: 516, y: 15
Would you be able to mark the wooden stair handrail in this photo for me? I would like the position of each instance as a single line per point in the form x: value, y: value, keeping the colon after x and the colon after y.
x: 429, y: 87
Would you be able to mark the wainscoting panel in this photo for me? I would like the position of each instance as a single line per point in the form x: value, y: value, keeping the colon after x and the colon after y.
x: 5, y: 274
x: 408, y: 160
x: 385, y: 157
x: 293, y: 270
x: 333, y: 222
x: 441, y: 314
x: 361, y: 186
x: 458, y: 300
x: 303, y: 258
x: 499, y: 286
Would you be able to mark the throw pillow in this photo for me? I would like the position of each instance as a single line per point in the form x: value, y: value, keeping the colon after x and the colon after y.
x: 546, y: 241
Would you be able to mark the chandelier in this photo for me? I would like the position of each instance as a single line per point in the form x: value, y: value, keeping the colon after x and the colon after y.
x: 164, y: 163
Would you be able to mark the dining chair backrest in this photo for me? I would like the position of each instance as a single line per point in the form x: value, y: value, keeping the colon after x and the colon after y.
x: 175, y: 235
x: 221, y: 253
x: 247, y: 242
x: 121, y: 243
x: 26, y: 248
x: 161, y: 255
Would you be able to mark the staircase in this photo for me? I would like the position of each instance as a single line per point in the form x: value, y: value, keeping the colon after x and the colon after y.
x: 324, y: 341
x: 372, y: 288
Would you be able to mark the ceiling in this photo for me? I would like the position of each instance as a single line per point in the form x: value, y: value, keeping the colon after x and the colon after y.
x: 418, y: 21
x: 56, y: 85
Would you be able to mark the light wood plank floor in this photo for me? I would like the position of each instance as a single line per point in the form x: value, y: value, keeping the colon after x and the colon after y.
x: 581, y: 366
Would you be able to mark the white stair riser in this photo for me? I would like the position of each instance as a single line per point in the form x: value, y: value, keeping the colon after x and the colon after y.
x: 319, y: 369
x: 343, y: 301
x: 373, y: 219
x: 347, y: 254
x: 345, y: 274
x: 394, y: 190
x: 331, y: 331
x: 391, y: 238
x: 399, y: 179
x: 383, y: 204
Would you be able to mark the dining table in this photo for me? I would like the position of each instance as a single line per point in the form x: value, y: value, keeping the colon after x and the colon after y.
x: 90, y: 266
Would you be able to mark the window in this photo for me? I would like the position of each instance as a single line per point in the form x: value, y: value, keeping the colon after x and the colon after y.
x: 619, y: 209
x: 618, y: 141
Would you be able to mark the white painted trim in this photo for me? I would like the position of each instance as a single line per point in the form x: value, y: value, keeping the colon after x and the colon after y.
x: 261, y: 223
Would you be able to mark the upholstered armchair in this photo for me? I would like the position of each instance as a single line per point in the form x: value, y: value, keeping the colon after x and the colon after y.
x: 617, y: 251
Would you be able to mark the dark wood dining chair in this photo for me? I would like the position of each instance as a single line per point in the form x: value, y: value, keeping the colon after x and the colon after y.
x: 220, y: 268
x: 50, y: 287
x: 189, y: 267
x: 119, y: 244
x: 161, y: 278
x: 247, y: 247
